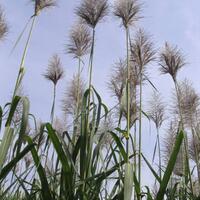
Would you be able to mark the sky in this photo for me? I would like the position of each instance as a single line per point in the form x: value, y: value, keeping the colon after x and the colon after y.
x: 177, y: 22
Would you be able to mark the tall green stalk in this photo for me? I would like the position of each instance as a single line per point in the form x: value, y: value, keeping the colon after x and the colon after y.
x: 91, y: 59
x: 90, y: 74
x: 128, y: 93
x: 88, y: 137
x: 52, y: 121
x: 21, y: 68
x: 77, y: 103
x: 78, y: 87
x: 140, y: 130
x: 53, y: 104
x: 159, y: 153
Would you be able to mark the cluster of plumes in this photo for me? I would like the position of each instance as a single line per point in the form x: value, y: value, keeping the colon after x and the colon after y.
x: 3, y: 25
x: 71, y: 99
x: 128, y: 11
x: 142, y: 53
x: 117, y: 87
x: 80, y: 41
x: 156, y: 111
x: 171, y: 60
x: 55, y: 71
x: 142, y: 49
x: 91, y: 12
x: 189, y: 103
x: 43, y: 4
x: 168, y: 144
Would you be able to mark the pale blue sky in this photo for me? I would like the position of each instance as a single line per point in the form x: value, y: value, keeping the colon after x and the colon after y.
x: 167, y: 20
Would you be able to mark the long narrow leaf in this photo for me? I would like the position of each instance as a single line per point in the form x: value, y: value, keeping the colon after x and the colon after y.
x: 6, y: 170
x: 46, y: 193
x: 5, y: 144
x: 170, y: 166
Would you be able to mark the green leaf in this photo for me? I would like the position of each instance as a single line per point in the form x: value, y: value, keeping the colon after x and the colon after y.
x: 46, y: 193
x: 5, y: 144
x: 58, y: 147
x: 119, y: 144
x: 123, y: 132
x: 152, y: 170
x: 170, y: 166
x: 148, y: 193
x: 13, y: 107
x: 136, y: 186
x: 63, y: 158
x: 6, y: 170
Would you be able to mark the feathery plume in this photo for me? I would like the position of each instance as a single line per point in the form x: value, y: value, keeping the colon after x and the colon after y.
x: 55, y: 70
x: 80, y: 41
x: 171, y: 60
x: 43, y: 4
x: 128, y: 11
x: 117, y: 87
x: 142, y: 49
x: 69, y: 102
x: 194, y: 147
x: 3, y: 25
x: 117, y: 81
x: 188, y: 101
x: 156, y: 110
x: 92, y: 11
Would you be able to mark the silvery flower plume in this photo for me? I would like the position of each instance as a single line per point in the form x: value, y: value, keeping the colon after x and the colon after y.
x: 55, y: 71
x: 3, y: 25
x: 171, y: 60
x: 42, y: 5
x: 69, y: 102
x: 128, y: 11
x: 189, y: 102
x: 80, y: 41
x: 156, y: 110
x: 142, y: 49
x: 156, y: 113
x: 117, y: 81
x: 117, y: 87
x: 92, y: 11
x: 194, y: 147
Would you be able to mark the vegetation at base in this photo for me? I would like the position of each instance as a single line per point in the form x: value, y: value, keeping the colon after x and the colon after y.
x: 99, y: 155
